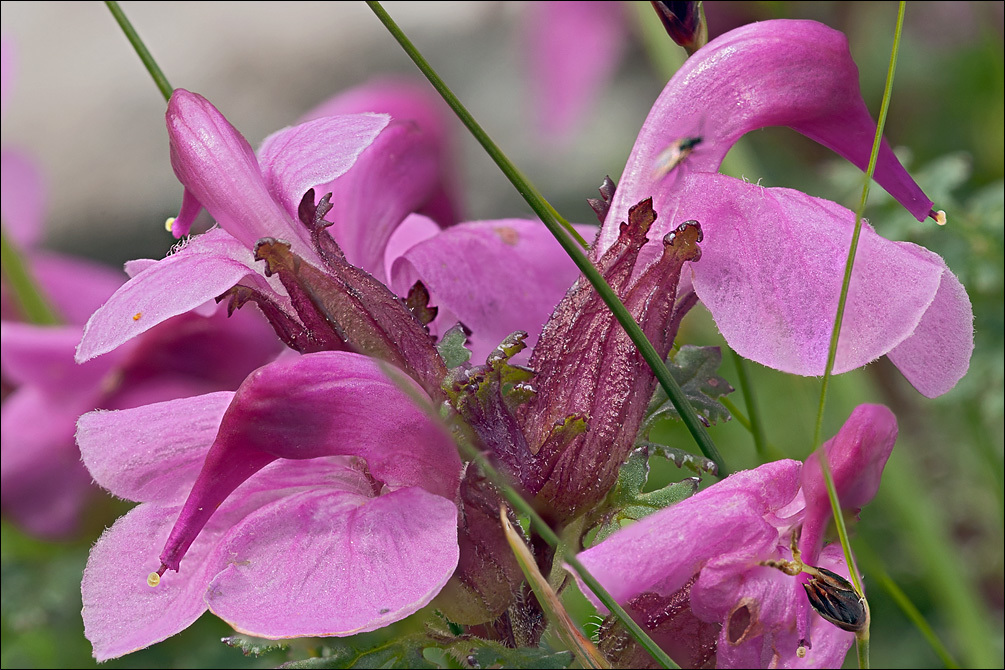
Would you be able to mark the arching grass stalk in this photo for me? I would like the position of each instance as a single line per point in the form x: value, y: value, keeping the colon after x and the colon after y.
x: 30, y: 298
x: 573, y: 248
x: 141, y: 49
x: 861, y: 638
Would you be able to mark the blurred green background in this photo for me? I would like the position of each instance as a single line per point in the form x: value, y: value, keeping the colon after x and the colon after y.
x: 936, y: 527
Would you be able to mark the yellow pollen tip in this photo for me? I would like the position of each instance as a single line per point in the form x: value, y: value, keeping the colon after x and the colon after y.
x: 801, y: 651
x: 137, y: 316
x: 153, y: 579
x: 169, y: 224
x: 940, y: 217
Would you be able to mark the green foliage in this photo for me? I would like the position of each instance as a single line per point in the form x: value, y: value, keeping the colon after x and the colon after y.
x: 694, y: 368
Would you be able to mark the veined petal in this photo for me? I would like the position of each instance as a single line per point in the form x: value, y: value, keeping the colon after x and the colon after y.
x: 771, y: 73
x: 394, y: 177
x: 661, y: 552
x: 937, y: 355
x: 151, y: 453
x: 218, y: 169
x: 372, y: 562
x: 322, y: 404
x: 408, y: 100
x: 121, y: 612
x: 494, y: 276
x: 296, y: 159
x: 771, y: 270
x: 205, y: 268
x: 856, y: 455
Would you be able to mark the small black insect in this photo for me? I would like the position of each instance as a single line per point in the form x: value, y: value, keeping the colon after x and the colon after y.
x: 835, y: 599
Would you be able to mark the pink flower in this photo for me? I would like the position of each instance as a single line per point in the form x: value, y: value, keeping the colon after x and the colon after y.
x: 322, y: 503
x: 773, y: 259
x: 697, y: 570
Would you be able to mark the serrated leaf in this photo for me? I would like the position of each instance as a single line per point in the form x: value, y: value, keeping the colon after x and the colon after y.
x: 452, y: 349
x: 253, y: 646
x: 369, y: 650
x: 694, y: 368
x: 682, y: 458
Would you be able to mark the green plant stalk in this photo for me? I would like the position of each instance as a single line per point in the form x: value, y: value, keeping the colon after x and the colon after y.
x: 141, y: 50
x: 754, y: 425
x: 875, y: 567
x: 574, y: 250
x: 861, y: 638
x: 542, y: 528
x: 31, y: 301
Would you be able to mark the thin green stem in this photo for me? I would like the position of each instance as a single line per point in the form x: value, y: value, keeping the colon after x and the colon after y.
x: 31, y: 301
x: 756, y: 426
x: 141, y: 49
x: 910, y: 610
x: 772, y: 453
x: 575, y: 249
x: 863, y: 637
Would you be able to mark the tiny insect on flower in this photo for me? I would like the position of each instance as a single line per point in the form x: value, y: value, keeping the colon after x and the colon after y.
x: 835, y: 599
x: 674, y: 155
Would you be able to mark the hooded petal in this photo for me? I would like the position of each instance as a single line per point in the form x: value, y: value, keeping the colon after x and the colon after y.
x: 494, y: 276
x: 219, y: 171
x: 771, y: 271
x: 409, y: 100
x: 771, y: 73
x: 372, y: 562
x: 661, y: 552
x: 151, y: 453
x: 296, y: 159
x: 856, y: 455
x: 205, y: 268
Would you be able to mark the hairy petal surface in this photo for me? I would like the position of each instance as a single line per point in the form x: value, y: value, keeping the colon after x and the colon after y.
x: 148, y: 453
x: 771, y: 271
x: 669, y: 547
x: 360, y: 563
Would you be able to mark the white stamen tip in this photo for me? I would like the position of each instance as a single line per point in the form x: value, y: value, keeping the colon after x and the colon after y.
x: 169, y: 224
x: 153, y: 579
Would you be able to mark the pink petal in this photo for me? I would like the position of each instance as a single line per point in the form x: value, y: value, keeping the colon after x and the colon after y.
x: 495, y: 276
x: 771, y: 270
x: 75, y: 286
x: 937, y: 355
x: 44, y: 485
x: 727, y: 520
x: 121, y: 612
x: 296, y: 159
x: 42, y: 356
x: 219, y: 171
x: 793, y: 73
x: 856, y: 455
x: 209, y: 265
x: 22, y: 198
x: 573, y: 48
x: 396, y: 176
x: 408, y: 100
x: 154, y: 452
x: 370, y: 563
